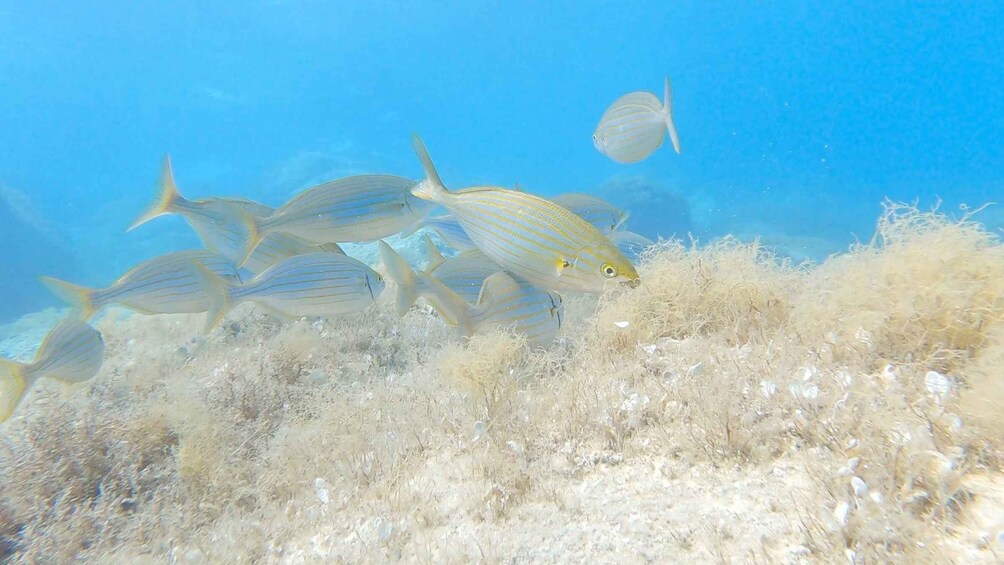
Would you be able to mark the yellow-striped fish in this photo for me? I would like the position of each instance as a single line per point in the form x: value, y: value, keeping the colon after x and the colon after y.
x: 312, y: 284
x: 360, y: 208
x: 633, y: 127
x: 219, y: 223
x: 507, y: 302
x: 605, y: 216
x: 169, y: 284
x: 72, y: 352
x: 530, y: 237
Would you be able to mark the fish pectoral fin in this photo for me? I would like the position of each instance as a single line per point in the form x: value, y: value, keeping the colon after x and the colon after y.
x: 561, y: 264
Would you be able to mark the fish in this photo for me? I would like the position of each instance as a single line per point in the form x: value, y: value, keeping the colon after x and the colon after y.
x: 529, y: 236
x: 218, y: 223
x: 311, y: 284
x: 448, y: 228
x: 508, y: 302
x: 603, y: 215
x: 631, y: 244
x: 634, y: 126
x: 72, y: 352
x: 359, y: 208
x: 167, y: 284
x: 463, y: 275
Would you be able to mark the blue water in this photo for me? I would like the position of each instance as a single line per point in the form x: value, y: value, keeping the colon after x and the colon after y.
x: 796, y: 118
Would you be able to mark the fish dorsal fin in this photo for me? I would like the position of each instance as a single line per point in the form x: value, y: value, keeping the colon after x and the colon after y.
x: 432, y: 188
x: 435, y: 257
x: 518, y: 187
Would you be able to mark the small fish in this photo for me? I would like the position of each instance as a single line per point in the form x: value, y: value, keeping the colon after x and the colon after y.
x: 219, y: 224
x: 360, y: 208
x: 528, y: 236
x: 168, y: 284
x: 72, y: 352
x: 605, y: 216
x: 634, y: 126
x: 631, y: 244
x: 506, y: 302
x: 462, y: 275
x: 312, y: 284
x: 448, y: 228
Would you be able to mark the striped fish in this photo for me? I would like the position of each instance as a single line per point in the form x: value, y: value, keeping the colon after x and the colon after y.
x: 528, y: 236
x: 312, y: 284
x: 505, y: 302
x: 448, y: 228
x: 360, y: 208
x: 169, y: 284
x: 634, y: 126
x: 219, y: 224
x: 603, y: 215
x: 631, y: 244
x: 72, y: 352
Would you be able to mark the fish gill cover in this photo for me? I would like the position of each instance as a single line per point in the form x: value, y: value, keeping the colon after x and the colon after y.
x: 737, y: 404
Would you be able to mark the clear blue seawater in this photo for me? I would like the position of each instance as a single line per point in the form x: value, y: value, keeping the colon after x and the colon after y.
x: 796, y: 118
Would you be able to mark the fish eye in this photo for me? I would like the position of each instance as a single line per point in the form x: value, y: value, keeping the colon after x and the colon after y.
x: 608, y: 270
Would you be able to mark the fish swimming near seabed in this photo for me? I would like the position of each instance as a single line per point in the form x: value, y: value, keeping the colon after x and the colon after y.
x: 168, y: 284
x: 450, y: 230
x: 72, y: 352
x: 312, y: 284
x: 631, y: 244
x: 219, y: 223
x: 359, y: 208
x: 529, y: 236
x: 635, y: 125
x: 605, y: 216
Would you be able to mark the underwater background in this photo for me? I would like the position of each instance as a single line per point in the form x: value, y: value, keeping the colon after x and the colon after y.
x: 796, y: 118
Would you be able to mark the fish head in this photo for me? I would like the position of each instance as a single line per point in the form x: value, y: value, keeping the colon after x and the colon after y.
x: 598, y: 267
x: 375, y: 284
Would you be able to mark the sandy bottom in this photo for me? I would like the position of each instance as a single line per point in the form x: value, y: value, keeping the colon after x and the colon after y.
x: 732, y: 409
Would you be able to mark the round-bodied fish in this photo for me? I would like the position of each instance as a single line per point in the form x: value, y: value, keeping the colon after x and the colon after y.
x: 529, y: 236
x: 72, y: 352
x: 312, y: 284
x: 634, y: 126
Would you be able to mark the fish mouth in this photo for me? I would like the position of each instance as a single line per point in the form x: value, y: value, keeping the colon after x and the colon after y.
x: 631, y: 283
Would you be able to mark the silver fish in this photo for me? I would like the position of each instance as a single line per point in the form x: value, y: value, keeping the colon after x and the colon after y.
x: 72, y: 352
x: 605, y: 216
x: 634, y: 126
x: 448, y: 228
x: 169, y: 284
x: 312, y: 284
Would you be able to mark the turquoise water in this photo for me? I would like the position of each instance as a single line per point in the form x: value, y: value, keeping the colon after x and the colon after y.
x: 796, y: 119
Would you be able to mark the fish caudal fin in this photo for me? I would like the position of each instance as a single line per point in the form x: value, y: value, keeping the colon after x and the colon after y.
x: 79, y: 297
x: 13, y: 386
x: 403, y: 276
x: 432, y: 187
x: 667, y: 109
x: 218, y: 293
x: 448, y: 304
x: 435, y: 257
x: 255, y: 234
x: 168, y: 197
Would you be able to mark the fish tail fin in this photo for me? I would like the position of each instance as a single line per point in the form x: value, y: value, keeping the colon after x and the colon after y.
x: 667, y: 110
x: 218, y: 292
x: 79, y: 297
x: 432, y: 187
x: 255, y: 234
x: 13, y: 386
x: 435, y: 257
x: 403, y: 276
x: 448, y: 304
x: 165, y: 202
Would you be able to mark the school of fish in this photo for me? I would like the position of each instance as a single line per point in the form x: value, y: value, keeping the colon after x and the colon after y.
x: 513, y: 253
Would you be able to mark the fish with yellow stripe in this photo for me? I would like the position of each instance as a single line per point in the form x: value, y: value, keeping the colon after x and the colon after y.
x: 312, y: 284
x: 359, y: 208
x: 530, y: 237
x: 174, y: 283
x: 635, y: 125
x: 219, y: 223
x: 72, y: 352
